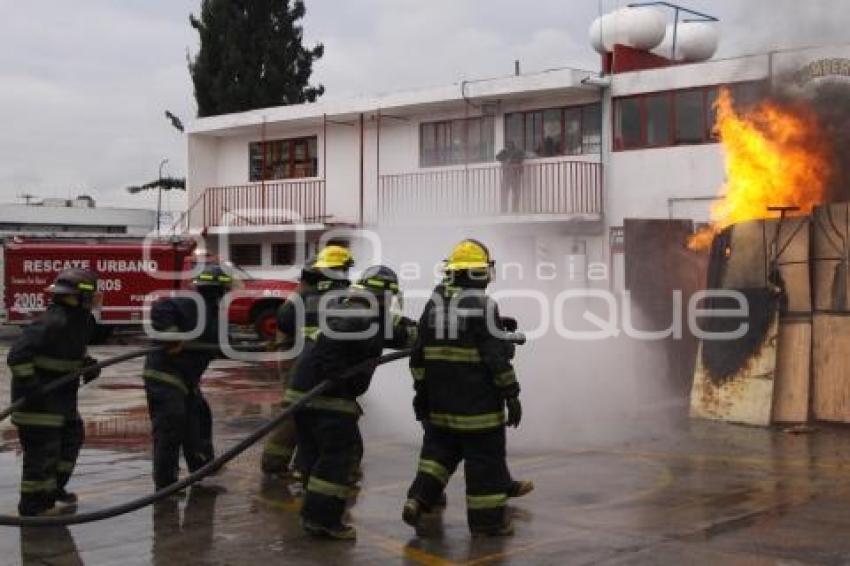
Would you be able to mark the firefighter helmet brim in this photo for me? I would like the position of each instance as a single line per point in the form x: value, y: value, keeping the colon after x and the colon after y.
x: 469, y: 255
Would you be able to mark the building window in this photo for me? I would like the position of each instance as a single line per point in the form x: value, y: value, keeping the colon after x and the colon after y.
x: 657, y: 119
x: 677, y: 117
x: 628, y: 123
x: 294, y: 158
x: 591, y: 128
x: 246, y: 254
x: 690, y: 116
x: 572, y: 138
x: 453, y: 142
x: 554, y: 131
x: 283, y: 254
x: 514, y: 130
x: 711, y: 113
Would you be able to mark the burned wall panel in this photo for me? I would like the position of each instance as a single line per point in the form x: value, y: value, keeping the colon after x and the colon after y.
x: 790, y: 246
x: 764, y: 376
x: 831, y: 331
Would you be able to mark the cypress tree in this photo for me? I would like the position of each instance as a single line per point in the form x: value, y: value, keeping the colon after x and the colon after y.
x: 252, y: 56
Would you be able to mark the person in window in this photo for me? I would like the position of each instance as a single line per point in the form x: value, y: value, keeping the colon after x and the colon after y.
x: 511, y: 158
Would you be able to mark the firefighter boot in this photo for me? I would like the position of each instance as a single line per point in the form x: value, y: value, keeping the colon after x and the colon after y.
x: 66, y: 497
x: 340, y: 532
x: 412, y: 512
x: 520, y: 488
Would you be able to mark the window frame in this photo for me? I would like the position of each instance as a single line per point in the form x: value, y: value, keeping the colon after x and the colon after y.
x: 443, y: 154
x: 707, y: 129
x: 703, y: 127
x: 579, y: 109
x: 275, y: 147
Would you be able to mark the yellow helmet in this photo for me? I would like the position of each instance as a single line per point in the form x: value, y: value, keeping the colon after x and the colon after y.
x: 469, y: 254
x: 333, y: 257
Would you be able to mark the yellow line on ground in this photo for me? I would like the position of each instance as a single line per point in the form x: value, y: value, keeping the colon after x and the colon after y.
x: 664, y: 479
x: 511, y: 552
x: 385, y: 543
x: 290, y: 506
x: 404, y: 550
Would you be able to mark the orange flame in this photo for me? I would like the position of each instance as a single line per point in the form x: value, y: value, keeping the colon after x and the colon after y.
x: 776, y: 156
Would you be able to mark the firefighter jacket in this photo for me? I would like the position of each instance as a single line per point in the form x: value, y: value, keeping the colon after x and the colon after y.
x: 461, y: 369
x: 354, y: 335
x: 183, y: 369
x: 293, y: 318
x: 49, y: 348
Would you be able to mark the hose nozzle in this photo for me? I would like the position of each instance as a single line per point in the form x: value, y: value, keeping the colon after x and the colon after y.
x: 517, y: 338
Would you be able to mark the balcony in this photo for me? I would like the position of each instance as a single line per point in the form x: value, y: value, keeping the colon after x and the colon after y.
x: 263, y: 204
x: 537, y: 191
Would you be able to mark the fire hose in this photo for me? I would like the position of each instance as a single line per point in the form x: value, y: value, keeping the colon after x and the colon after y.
x: 204, y: 471
x: 75, y: 375
x: 208, y: 468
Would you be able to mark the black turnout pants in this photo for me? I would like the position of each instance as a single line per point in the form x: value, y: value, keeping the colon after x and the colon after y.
x: 181, y: 421
x: 487, y: 477
x: 329, y: 449
x: 49, y: 454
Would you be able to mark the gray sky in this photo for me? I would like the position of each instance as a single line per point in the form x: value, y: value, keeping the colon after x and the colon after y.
x: 83, y: 85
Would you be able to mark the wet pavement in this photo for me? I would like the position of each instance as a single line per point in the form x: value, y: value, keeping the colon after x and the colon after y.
x: 693, y: 492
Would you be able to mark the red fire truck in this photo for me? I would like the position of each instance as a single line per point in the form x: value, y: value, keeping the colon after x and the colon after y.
x: 128, y: 277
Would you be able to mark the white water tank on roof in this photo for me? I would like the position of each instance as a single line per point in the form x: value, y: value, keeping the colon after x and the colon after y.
x: 696, y: 41
x: 639, y: 27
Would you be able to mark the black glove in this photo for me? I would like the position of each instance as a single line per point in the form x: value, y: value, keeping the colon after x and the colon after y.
x: 514, y: 411
x: 90, y: 375
x: 509, y: 324
x: 420, y: 406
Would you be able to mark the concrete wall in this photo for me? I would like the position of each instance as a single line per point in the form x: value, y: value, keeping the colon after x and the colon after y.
x: 688, y: 76
x: 642, y: 182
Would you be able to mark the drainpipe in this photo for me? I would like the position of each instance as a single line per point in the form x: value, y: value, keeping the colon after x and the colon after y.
x: 606, y: 117
x: 362, y: 166
x: 325, y: 149
x: 324, y: 193
x: 378, y: 162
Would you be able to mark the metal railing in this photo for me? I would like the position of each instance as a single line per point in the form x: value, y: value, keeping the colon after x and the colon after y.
x: 259, y: 204
x: 550, y: 187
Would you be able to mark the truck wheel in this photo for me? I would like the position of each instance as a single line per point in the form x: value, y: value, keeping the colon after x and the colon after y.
x: 102, y: 334
x: 265, y: 323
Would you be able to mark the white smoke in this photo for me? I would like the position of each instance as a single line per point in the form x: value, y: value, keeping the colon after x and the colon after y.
x: 574, y: 393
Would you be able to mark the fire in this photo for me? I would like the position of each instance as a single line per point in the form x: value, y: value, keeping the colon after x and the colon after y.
x: 776, y: 156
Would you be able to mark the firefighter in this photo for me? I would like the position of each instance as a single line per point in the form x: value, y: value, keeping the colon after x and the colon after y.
x: 463, y: 380
x: 328, y: 271
x: 180, y: 415
x: 358, y: 327
x: 49, y: 425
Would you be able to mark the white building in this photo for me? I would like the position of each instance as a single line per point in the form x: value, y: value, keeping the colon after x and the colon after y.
x: 69, y: 218
x: 635, y: 142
